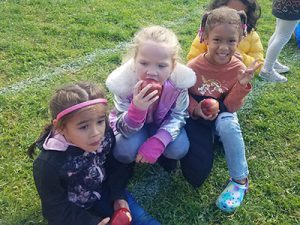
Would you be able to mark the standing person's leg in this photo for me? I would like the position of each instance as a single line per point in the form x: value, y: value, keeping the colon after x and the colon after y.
x: 279, y: 68
x: 126, y: 149
x: 229, y: 131
x: 139, y: 215
x: 282, y: 34
x: 197, y: 163
x: 272, y: 38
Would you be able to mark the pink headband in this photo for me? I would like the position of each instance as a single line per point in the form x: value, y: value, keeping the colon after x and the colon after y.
x: 79, y: 106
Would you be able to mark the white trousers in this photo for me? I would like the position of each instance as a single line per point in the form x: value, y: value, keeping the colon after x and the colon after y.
x: 282, y: 34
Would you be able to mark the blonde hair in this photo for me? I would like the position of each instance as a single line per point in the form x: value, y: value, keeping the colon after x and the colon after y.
x: 157, y: 34
x: 223, y: 15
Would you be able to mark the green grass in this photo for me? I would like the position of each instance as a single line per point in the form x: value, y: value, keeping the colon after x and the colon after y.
x: 49, y: 43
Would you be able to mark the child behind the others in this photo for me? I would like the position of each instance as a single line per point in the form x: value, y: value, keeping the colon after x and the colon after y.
x: 287, y: 15
x: 78, y: 180
x: 148, y: 126
x: 222, y: 76
x: 250, y: 47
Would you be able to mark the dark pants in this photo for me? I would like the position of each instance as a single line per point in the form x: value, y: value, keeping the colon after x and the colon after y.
x: 196, y: 165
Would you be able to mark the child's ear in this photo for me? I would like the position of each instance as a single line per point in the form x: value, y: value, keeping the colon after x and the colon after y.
x: 57, y: 127
x: 54, y: 123
x: 205, y: 40
x: 174, y: 64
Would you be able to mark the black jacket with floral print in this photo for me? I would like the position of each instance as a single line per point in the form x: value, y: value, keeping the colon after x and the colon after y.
x: 70, y: 182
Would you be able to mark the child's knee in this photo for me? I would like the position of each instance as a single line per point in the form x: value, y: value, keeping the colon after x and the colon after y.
x: 195, y: 177
x: 227, y: 123
x: 124, y: 156
x: 177, y: 151
x: 196, y: 168
x: 176, y: 154
x: 178, y: 148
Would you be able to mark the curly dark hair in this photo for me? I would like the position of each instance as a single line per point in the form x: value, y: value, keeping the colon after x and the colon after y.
x: 220, y: 16
x: 253, y: 11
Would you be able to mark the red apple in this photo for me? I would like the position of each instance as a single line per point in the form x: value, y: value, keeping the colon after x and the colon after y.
x: 209, y: 106
x: 155, y: 86
x: 121, y: 217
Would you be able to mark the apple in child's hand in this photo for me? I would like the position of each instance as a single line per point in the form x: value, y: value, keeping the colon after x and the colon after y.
x: 155, y: 86
x: 210, y: 106
x: 121, y: 217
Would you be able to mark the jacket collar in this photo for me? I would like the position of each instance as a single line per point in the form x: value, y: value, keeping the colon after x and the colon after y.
x: 122, y: 80
x: 57, y: 142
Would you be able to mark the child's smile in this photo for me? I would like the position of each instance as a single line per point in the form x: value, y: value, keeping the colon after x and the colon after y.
x: 222, y: 42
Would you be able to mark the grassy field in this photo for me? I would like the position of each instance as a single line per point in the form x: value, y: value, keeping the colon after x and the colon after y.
x: 44, y: 44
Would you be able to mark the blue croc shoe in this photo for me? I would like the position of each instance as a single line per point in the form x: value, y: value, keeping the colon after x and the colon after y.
x: 232, y: 196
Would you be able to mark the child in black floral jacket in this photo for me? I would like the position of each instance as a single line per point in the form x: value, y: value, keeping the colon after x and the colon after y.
x: 77, y: 178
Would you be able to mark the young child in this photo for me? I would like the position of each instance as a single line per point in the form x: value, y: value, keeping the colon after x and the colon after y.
x: 147, y: 125
x: 77, y: 178
x: 222, y: 76
x: 250, y: 47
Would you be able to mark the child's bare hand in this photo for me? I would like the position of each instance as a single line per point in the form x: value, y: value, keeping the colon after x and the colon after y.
x: 246, y: 76
x: 199, y: 113
x: 120, y: 203
x: 140, y: 99
x: 104, y: 221
x: 140, y: 159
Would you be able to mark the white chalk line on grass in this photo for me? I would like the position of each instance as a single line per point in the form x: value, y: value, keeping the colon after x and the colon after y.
x: 42, y: 77
x: 71, y: 67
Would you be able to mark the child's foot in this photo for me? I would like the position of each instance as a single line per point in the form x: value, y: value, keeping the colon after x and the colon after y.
x: 272, y: 76
x: 281, y: 68
x: 232, y: 196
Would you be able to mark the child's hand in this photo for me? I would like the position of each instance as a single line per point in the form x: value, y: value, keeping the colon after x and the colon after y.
x: 121, y: 216
x: 199, y: 113
x: 150, y: 151
x: 122, y: 213
x: 140, y: 99
x: 245, y: 76
x: 104, y: 221
x: 140, y: 159
x: 120, y: 203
